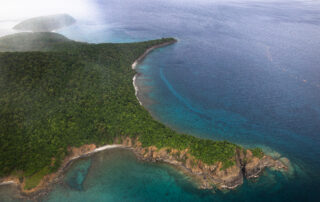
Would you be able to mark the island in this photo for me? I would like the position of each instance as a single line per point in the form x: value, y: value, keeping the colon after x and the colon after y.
x: 45, y: 23
x: 61, y: 100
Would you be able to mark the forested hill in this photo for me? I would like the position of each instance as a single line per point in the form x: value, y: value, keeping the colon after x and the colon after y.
x: 64, y: 93
x: 45, y: 23
x: 38, y: 41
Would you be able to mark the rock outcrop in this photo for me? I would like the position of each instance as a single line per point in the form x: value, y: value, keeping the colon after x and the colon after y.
x: 254, y: 165
x: 209, y: 176
x: 47, y: 180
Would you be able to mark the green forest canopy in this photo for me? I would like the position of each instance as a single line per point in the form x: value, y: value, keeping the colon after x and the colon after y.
x: 64, y: 93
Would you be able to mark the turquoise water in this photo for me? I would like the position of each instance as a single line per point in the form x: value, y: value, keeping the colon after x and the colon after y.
x: 243, y: 71
x: 116, y: 175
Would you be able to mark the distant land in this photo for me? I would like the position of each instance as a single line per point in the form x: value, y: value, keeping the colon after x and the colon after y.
x: 61, y: 99
x: 45, y: 23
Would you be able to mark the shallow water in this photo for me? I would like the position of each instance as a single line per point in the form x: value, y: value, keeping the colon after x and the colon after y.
x: 116, y: 175
x: 246, y: 72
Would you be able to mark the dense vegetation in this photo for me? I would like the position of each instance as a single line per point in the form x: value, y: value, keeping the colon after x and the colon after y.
x: 63, y: 93
x: 257, y: 152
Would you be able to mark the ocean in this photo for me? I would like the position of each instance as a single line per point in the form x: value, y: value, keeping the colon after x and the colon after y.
x: 243, y: 71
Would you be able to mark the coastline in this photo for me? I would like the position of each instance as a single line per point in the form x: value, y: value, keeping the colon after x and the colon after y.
x: 47, y: 181
x: 136, y: 88
x: 203, y: 175
x: 83, y: 151
x: 206, y: 176
x: 7, y: 182
x: 98, y: 149
x: 139, y: 60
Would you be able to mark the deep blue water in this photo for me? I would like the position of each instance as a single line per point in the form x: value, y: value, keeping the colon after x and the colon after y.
x: 247, y: 72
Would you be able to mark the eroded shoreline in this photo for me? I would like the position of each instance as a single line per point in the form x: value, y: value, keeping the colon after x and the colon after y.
x: 49, y: 180
x: 86, y: 150
x: 207, y: 176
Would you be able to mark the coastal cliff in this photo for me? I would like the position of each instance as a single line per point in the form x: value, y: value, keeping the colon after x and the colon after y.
x: 208, y: 175
x: 97, y: 105
x: 44, y: 182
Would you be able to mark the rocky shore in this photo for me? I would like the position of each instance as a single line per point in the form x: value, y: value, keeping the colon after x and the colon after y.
x: 206, y: 176
x: 209, y: 176
x: 246, y: 165
x: 47, y: 181
x: 74, y: 153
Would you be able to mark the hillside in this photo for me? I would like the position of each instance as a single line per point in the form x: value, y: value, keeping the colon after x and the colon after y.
x: 45, y: 23
x: 63, y: 93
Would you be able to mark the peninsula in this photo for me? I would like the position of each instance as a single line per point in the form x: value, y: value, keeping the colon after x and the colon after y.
x: 61, y: 99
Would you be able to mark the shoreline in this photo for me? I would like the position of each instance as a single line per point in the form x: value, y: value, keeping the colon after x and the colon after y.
x: 205, y: 176
x: 56, y: 177
x: 49, y: 180
x: 99, y: 149
x: 139, y: 60
x: 136, y: 89
x: 7, y: 182
x: 198, y: 172
x: 201, y: 178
